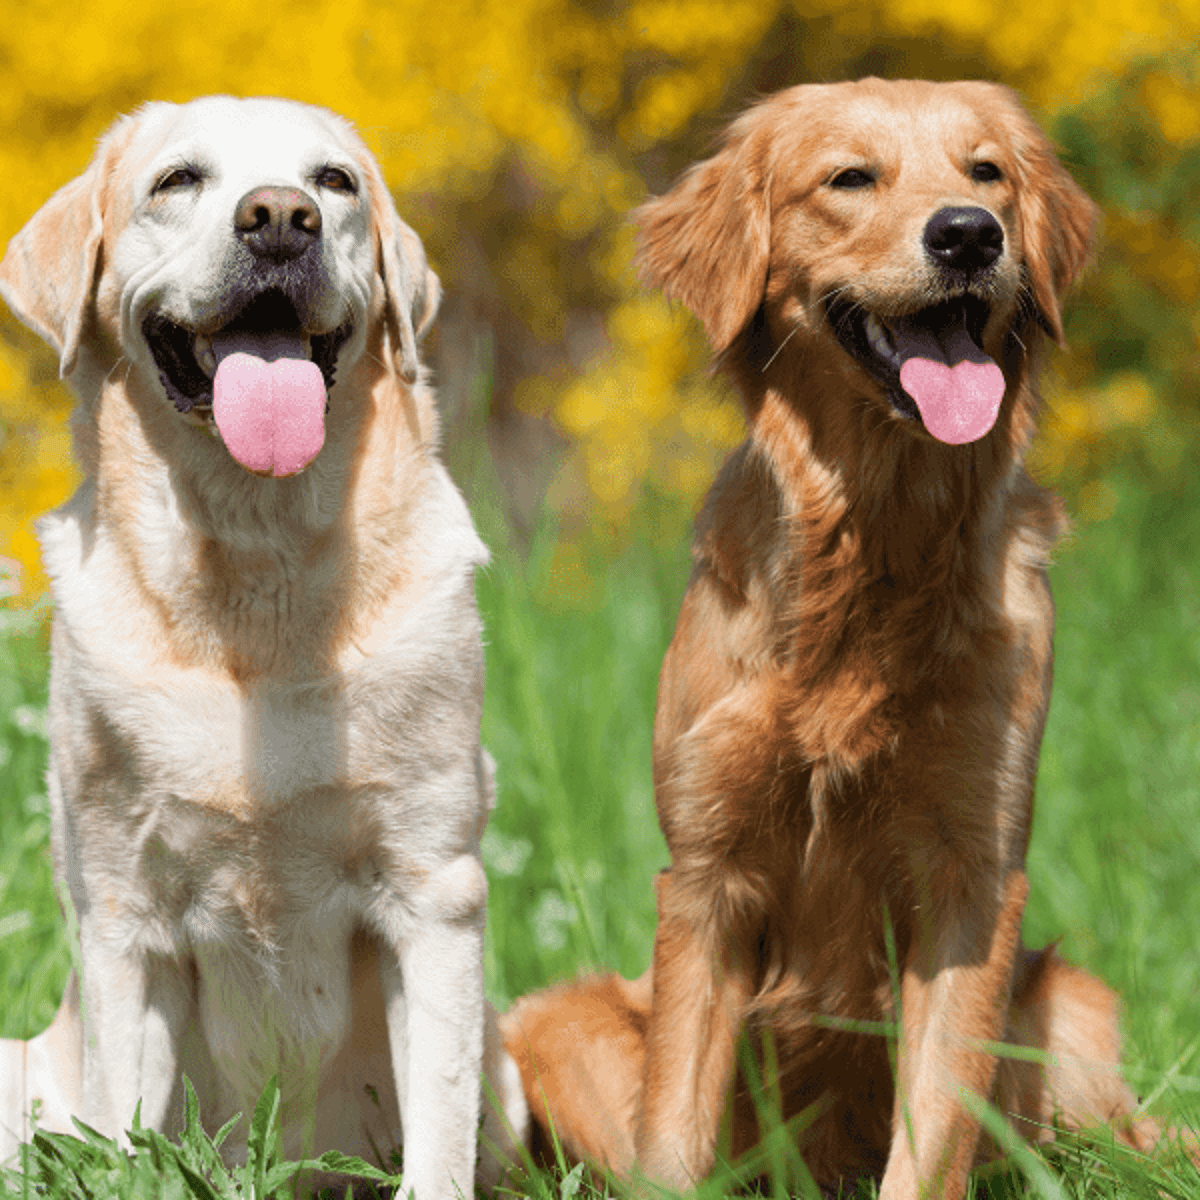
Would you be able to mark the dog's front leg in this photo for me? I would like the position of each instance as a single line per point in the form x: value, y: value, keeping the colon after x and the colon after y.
x: 699, y: 996
x: 954, y: 1000
x: 134, y: 1009
x: 433, y: 989
x: 716, y: 783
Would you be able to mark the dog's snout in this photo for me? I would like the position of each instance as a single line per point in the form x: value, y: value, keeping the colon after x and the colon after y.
x: 965, y: 238
x: 278, y: 223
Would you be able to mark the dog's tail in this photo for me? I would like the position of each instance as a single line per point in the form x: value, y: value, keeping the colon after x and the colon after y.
x: 579, y: 1048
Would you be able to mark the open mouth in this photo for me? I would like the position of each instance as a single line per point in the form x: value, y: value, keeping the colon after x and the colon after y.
x: 259, y: 381
x: 187, y: 361
x: 931, y: 363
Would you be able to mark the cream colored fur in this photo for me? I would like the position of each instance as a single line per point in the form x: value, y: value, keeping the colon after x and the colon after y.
x: 266, y: 778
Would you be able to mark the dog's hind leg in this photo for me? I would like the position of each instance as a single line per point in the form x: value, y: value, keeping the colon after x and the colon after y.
x: 1073, y: 1018
x: 579, y: 1048
x: 44, y: 1072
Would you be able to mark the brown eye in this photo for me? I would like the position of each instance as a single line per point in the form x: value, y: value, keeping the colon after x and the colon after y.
x: 852, y: 178
x: 336, y: 180
x: 986, y: 172
x: 177, y: 177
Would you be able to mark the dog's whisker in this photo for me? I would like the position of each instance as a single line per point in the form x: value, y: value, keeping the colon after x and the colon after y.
x: 122, y: 361
x: 779, y: 349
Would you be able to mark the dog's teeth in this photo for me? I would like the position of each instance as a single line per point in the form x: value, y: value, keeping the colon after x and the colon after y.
x: 204, y: 355
x: 877, y: 336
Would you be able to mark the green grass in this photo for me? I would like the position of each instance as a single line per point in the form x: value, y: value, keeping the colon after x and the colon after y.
x: 34, y: 957
x: 574, y: 844
x: 1115, y: 856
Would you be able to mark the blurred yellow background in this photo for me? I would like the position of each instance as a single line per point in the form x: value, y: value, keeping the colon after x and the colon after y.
x: 518, y: 134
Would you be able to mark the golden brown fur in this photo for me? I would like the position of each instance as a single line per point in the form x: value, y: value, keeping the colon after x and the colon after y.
x: 850, y: 712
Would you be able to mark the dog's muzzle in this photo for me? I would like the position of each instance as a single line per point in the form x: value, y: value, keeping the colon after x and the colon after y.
x: 931, y: 362
x: 260, y: 376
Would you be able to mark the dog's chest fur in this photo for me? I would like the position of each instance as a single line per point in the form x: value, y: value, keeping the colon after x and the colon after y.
x: 253, y: 825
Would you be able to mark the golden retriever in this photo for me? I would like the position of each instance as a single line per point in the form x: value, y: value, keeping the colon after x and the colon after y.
x: 850, y: 712
x: 266, y: 777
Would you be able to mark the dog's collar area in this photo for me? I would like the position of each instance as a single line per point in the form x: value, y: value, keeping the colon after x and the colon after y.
x: 872, y: 341
x: 186, y: 362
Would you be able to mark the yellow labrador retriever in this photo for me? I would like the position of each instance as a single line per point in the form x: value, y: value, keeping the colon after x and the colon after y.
x: 267, y: 782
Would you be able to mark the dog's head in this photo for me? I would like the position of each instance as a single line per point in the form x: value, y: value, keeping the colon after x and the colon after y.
x: 905, y: 231
x: 236, y: 251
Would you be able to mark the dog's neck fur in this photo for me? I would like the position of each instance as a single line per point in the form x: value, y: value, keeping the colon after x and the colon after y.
x: 851, y: 485
x: 275, y: 556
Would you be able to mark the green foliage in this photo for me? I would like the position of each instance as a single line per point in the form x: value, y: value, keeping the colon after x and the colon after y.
x: 34, y: 959
x: 573, y: 654
x: 60, y: 1165
x: 1115, y: 844
x: 1128, y: 389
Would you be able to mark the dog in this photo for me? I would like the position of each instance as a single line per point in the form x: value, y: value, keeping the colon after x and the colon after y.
x: 850, y: 711
x: 266, y: 778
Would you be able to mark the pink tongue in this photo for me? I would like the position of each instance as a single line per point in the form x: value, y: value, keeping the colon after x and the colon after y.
x: 958, y: 389
x: 271, y: 414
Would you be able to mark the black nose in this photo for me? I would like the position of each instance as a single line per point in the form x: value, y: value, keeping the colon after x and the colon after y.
x: 278, y: 223
x: 967, y: 239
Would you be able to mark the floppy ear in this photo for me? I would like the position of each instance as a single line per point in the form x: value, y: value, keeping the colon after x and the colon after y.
x: 707, y: 241
x: 49, y: 270
x: 1058, y: 225
x: 427, y: 288
x: 413, y: 290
